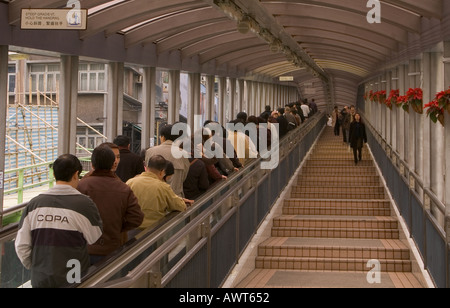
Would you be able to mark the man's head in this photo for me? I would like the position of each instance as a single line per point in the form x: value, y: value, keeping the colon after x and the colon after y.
x: 157, y: 165
x: 123, y: 142
x: 242, y: 116
x: 116, y: 151
x: 67, y: 170
x: 103, y: 158
x: 166, y: 134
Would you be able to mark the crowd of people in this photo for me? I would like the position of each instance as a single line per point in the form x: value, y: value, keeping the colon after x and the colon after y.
x: 353, y: 129
x: 86, y: 219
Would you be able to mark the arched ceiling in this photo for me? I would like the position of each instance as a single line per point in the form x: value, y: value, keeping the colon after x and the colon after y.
x: 328, y: 46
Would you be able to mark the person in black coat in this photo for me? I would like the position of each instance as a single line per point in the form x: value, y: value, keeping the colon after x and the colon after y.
x: 283, y: 122
x: 358, y: 137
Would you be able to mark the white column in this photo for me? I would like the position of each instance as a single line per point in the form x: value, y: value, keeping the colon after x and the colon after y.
x: 3, y: 114
x: 222, y: 100
x: 148, y: 107
x: 210, y: 108
x: 394, y: 113
x: 174, y: 97
x: 232, y: 106
x: 114, y: 100
x: 194, y: 100
x: 401, y: 114
x: 447, y: 142
x: 241, y: 95
x: 67, y: 128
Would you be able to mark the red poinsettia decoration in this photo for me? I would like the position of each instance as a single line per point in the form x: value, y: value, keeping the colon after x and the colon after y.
x: 415, y: 99
x: 380, y: 97
x: 403, y: 102
x: 435, y: 112
x: 443, y: 99
x: 392, y: 99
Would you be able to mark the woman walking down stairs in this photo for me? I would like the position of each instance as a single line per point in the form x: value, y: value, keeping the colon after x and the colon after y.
x: 335, y: 228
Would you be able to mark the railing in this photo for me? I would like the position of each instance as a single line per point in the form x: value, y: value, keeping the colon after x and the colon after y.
x: 21, y: 177
x: 421, y: 209
x: 197, y: 248
x: 8, y: 216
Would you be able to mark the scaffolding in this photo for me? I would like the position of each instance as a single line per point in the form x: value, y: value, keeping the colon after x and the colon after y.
x: 32, y: 132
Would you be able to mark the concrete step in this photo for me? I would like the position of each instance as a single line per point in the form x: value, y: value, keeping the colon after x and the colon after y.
x: 356, y: 222
x: 330, y: 264
x: 343, y: 189
x: 307, y: 180
x: 336, y: 232
x: 338, y: 195
x: 337, y: 163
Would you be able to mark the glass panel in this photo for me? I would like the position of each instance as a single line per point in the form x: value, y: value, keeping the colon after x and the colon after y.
x: 83, y: 67
x: 93, y: 81
x: 38, y: 68
x: 97, y: 67
x: 83, y: 82
x: 12, y: 83
x: 50, y: 85
x: 53, y: 68
x: 101, y: 82
x: 12, y: 272
x: 41, y: 83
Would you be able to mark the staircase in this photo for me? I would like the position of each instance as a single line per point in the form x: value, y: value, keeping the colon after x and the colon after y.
x: 336, y: 218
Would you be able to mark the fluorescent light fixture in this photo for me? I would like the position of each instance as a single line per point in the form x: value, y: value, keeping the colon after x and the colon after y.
x: 104, y: 6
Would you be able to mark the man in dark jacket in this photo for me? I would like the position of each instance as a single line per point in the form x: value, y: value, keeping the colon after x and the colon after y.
x: 283, y: 122
x: 130, y: 164
x: 358, y: 137
x: 116, y: 202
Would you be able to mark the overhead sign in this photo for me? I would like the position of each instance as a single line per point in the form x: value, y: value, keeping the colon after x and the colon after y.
x: 287, y: 78
x: 310, y: 91
x: 54, y: 19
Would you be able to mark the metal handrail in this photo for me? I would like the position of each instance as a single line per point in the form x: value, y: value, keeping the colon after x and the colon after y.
x: 418, y: 182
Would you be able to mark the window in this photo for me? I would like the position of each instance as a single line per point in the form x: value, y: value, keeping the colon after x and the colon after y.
x: 44, y: 77
x: 88, y: 138
x: 92, y: 78
x: 11, y: 78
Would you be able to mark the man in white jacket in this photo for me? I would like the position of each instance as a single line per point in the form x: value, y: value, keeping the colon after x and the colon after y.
x: 56, y: 228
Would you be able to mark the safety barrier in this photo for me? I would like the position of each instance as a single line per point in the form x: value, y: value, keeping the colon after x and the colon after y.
x: 198, y: 248
x: 422, y: 211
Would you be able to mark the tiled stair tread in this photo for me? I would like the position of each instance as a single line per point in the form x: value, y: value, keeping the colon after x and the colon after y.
x: 335, y: 232
x: 339, y: 189
x: 345, y: 242
x: 334, y: 217
x: 364, y: 196
x: 332, y: 264
x: 328, y: 202
x: 325, y: 279
x: 354, y: 221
